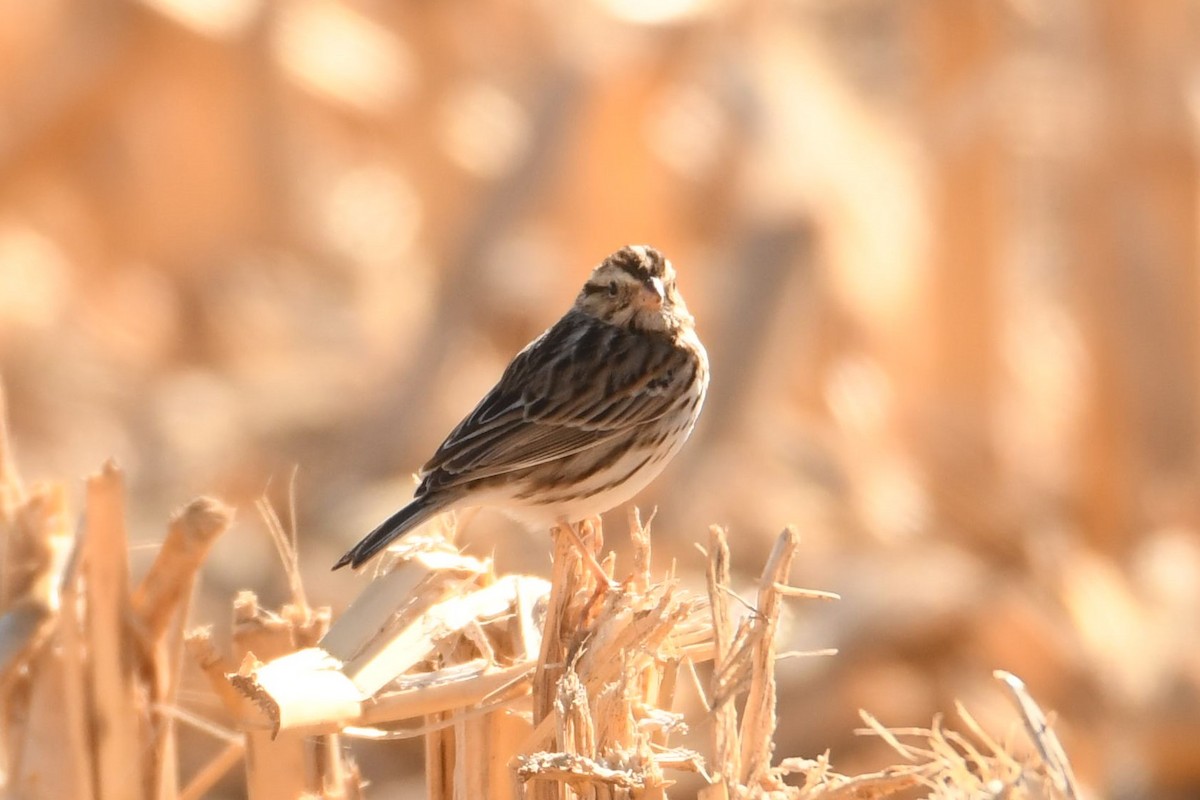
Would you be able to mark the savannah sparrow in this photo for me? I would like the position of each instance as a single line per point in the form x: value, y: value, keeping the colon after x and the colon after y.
x: 583, y: 418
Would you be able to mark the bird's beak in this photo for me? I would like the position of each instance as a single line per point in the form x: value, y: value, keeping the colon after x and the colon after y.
x: 654, y: 295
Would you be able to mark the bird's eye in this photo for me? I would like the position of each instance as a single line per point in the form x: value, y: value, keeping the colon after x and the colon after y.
x: 612, y: 288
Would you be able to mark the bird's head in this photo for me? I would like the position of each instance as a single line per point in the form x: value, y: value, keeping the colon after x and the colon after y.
x: 634, y: 287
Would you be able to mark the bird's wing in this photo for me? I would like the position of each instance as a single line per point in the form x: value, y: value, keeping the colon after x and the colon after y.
x: 580, y: 385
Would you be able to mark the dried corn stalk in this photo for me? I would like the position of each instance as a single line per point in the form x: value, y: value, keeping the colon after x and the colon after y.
x: 89, y: 664
x: 524, y: 688
x: 605, y: 683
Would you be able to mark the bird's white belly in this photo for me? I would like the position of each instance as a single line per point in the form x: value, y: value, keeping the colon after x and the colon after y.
x: 545, y: 514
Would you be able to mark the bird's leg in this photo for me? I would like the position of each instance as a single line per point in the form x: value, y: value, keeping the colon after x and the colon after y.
x: 591, y: 537
x: 585, y: 553
x: 592, y: 533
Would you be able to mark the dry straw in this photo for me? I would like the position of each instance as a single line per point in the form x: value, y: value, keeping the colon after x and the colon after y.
x: 519, y: 686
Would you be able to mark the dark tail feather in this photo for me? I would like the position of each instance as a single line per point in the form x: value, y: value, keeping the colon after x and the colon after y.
x: 391, y: 528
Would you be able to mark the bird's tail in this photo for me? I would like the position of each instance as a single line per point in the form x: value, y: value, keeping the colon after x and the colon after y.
x: 395, y: 526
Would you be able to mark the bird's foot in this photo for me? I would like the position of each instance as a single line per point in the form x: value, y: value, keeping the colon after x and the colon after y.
x: 603, y: 579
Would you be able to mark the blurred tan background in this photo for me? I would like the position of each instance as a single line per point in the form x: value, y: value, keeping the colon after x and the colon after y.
x: 943, y: 254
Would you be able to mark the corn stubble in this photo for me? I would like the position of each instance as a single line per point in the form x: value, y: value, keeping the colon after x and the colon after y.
x: 520, y: 687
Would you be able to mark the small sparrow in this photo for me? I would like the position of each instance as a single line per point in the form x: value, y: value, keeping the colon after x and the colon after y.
x: 582, y: 419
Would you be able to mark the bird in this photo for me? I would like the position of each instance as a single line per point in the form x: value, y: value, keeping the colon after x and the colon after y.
x: 582, y: 419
